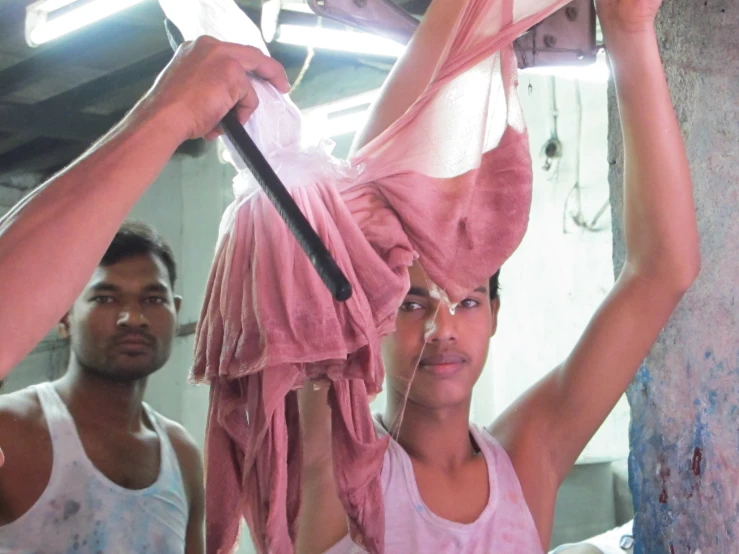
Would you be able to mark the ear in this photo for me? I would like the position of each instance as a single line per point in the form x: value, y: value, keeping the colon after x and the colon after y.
x: 494, y: 308
x: 62, y: 328
x: 177, y: 303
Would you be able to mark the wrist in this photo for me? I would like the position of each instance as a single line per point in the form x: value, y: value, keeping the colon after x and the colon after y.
x: 618, y: 33
x: 631, y: 46
x: 167, y: 120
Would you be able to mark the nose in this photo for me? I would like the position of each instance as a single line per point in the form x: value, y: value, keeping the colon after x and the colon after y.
x: 441, y: 325
x: 132, y: 316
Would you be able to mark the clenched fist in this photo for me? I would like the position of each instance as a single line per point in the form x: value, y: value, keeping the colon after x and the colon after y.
x: 205, y: 79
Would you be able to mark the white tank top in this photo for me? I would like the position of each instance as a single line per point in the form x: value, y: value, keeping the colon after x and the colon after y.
x: 82, y: 512
x: 505, y: 525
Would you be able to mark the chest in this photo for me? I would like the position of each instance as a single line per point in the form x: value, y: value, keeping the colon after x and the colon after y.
x: 460, y: 496
x: 129, y: 461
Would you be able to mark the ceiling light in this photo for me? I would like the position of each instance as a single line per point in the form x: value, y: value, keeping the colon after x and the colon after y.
x: 322, y: 38
x: 50, y: 19
x: 597, y: 71
x: 299, y: 7
x: 338, y: 118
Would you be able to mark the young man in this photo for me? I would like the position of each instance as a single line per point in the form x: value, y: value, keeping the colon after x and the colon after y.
x: 451, y: 487
x: 88, y: 465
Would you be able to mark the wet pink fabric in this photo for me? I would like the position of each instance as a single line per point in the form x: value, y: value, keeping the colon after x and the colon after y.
x: 448, y: 183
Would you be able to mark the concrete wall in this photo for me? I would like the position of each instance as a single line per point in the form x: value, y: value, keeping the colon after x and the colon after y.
x: 685, y: 398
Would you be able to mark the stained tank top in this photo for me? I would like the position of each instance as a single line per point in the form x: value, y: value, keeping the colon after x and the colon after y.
x: 505, y: 525
x: 82, y: 512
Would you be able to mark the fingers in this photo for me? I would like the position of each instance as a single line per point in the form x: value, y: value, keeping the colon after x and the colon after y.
x: 255, y: 61
x: 244, y: 108
x: 243, y: 113
x: 209, y: 77
x: 251, y: 59
x: 247, y: 99
x: 270, y: 70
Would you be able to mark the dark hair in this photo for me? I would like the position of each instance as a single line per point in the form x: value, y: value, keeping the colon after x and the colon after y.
x: 494, y: 285
x: 134, y: 239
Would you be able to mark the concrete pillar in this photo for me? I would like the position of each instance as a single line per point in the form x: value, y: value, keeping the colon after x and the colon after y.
x: 684, y: 436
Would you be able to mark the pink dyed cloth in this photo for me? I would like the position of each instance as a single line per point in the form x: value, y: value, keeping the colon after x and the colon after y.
x: 449, y: 183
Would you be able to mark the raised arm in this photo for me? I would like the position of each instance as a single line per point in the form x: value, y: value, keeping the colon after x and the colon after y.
x: 562, y: 412
x: 52, y: 240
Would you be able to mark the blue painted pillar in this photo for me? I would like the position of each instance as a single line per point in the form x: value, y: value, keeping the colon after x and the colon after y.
x: 684, y: 437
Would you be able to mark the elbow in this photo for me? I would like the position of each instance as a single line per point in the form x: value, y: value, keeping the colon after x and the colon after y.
x: 690, y: 273
x: 672, y: 277
x: 680, y: 279
x: 685, y: 271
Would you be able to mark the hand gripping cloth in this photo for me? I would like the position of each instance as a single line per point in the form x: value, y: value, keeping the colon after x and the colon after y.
x: 447, y: 184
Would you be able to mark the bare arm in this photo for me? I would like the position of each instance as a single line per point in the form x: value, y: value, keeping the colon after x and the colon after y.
x: 662, y: 257
x: 23, y: 430
x: 322, y: 518
x: 413, y: 72
x: 191, y: 467
x: 52, y: 240
x: 195, y: 539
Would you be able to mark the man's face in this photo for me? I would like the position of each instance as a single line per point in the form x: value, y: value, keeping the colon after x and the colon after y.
x: 440, y: 354
x: 122, y: 325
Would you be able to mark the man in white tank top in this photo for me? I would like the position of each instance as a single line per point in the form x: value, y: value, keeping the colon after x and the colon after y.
x: 89, y: 467
x: 454, y: 488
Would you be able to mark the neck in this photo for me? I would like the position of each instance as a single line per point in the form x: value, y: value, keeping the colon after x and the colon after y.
x: 95, y: 399
x: 438, y: 437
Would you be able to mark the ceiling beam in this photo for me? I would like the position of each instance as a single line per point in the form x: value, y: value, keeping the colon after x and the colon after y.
x: 83, y: 95
x: 106, y: 38
x: 15, y: 140
x: 54, y: 123
x: 38, y: 156
x: 80, y: 97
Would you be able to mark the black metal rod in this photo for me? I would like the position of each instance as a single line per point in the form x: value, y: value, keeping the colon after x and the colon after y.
x: 326, y: 267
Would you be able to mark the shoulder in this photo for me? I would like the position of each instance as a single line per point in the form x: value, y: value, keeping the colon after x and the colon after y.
x: 23, y: 434
x: 20, y: 410
x: 188, y: 456
x: 187, y: 450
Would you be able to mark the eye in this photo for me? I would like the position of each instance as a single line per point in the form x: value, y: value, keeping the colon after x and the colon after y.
x: 102, y: 299
x: 410, y: 306
x: 469, y: 303
x: 156, y: 300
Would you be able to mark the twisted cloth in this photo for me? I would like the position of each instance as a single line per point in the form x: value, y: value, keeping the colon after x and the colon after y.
x: 447, y: 184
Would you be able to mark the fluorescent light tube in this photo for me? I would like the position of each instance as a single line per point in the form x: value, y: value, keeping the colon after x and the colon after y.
x: 47, y: 20
x: 343, y: 41
x: 597, y: 72
x: 338, y: 117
